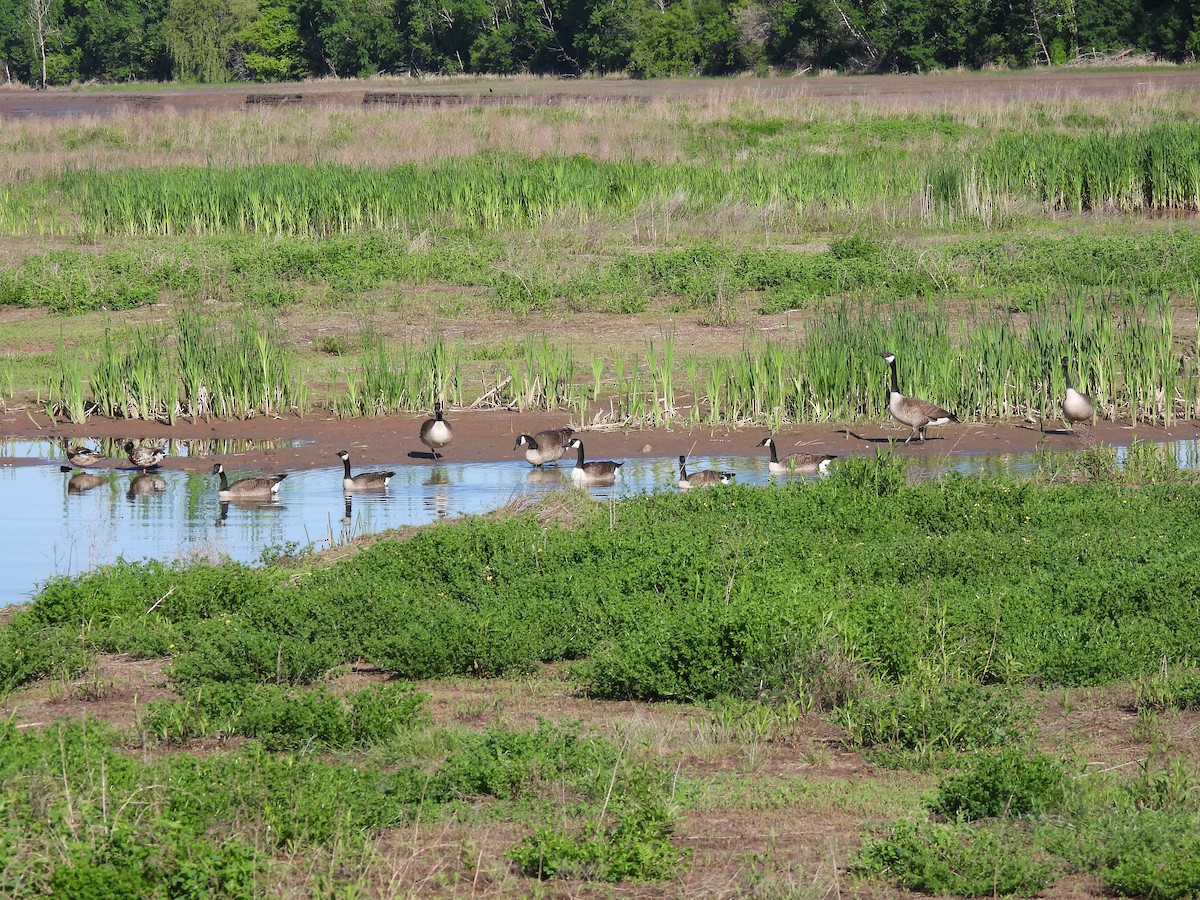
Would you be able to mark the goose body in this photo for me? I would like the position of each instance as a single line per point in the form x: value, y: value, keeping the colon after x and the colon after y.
x: 363, y: 481
x: 545, y: 446
x: 796, y: 463
x: 1076, y: 407
x: 701, y: 479
x: 144, y: 457
x: 82, y: 457
x: 599, y: 472
x: 267, y: 486
x: 436, y: 432
x: 916, y: 414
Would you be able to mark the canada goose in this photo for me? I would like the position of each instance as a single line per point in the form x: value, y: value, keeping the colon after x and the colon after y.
x: 84, y: 456
x: 796, y: 463
x: 602, y: 472
x: 435, y: 432
x: 1076, y: 407
x: 916, y: 414
x: 143, y: 484
x: 363, y: 481
x: 545, y: 446
x: 701, y: 479
x: 144, y: 457
x: 267, y: 486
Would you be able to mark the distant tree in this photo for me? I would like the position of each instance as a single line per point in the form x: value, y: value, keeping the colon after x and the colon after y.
x: 350, y: 38
x: 119, y: 40
x: 16, y: 49
x: 270, y: 45
x: 42, y: 29
x: 201, y: 33
x: 608, y: 37
x: 667, y: 42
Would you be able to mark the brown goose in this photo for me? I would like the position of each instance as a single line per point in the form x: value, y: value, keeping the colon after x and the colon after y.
x: 600, y: 472
x: 144, y: 457
x: 701, y: 479
x: 266, y: 486
x: 435, y: 432
x: 545, y: 446
x: 363, y: 481
x: 796, y: 463
x: 916, y: 414
x: 1076, y: 407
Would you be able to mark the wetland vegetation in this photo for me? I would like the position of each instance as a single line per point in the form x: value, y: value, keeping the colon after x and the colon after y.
x: 975, y: 686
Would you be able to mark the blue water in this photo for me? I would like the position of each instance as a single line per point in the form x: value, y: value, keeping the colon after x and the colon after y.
x: 58, y: 523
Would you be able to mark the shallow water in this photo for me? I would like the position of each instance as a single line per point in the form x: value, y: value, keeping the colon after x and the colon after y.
x: 66, y: 523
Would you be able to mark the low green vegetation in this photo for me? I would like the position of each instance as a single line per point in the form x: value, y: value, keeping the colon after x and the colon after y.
x: 89, y: 811
x: 1012, y: 822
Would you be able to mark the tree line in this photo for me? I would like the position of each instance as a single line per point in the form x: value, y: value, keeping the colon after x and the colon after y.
x: 47, y: 42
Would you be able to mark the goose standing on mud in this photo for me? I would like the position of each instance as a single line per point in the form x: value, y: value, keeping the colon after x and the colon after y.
x: 796, y: 463
x: 544, y: 447
x: 1076, y: 407
x: 83, y: 456
x: 916, y: 414
x: 435, y: 432
x: 701, y: 479
x: 600, y: 472
x: 265, y: 487
x: 363, y: 481
x: 144, y: 457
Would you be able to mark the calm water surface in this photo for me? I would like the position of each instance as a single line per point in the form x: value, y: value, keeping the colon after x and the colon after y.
x: 66, y: 523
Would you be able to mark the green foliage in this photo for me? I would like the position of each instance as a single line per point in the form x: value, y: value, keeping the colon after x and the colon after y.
x: 716, y: 593
x: 636, y: 847
x: 287, y: 718
x: 1009, y: 783
x: 1178, y: 689
x: 955, y: 859
x: 909, y: 723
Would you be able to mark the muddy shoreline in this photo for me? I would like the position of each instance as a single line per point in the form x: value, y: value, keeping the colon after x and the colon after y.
x: 489, y: 435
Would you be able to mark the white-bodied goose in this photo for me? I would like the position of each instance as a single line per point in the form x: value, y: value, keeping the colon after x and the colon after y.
x: 82, y: 457
x: 363, y: 481
x: 435, y: 432
x: 545, y: 446
x: 796, y: 463
x: 1076, y: 407
x: 144, y: 457
x: 916, y: 414
x: 267, y: 486
x: 600, y: 472
x: 701, y: 479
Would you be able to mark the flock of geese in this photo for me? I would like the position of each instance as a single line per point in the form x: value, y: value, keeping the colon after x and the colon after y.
x: 549, y: 447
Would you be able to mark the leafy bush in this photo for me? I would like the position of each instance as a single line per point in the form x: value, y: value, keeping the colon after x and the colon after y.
x: 919, y: 724
x: 955, y: 859
x: 286, y: 718
x: 1008, y: 783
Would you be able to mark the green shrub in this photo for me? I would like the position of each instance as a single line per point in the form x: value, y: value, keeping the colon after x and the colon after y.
x: 955, y: 859
x: 913, y: 724
x: 1009, y: 783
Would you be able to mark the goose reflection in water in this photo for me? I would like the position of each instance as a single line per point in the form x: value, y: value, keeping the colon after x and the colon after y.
x: 437, y: 501
x: 145, y: 485
x: 246, y: 503
x: 81, y: 482
x: 545, y: 476
x: 348, y: 520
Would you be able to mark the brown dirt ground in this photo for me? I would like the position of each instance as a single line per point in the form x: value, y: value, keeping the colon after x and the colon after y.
x: 1036, y: 85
